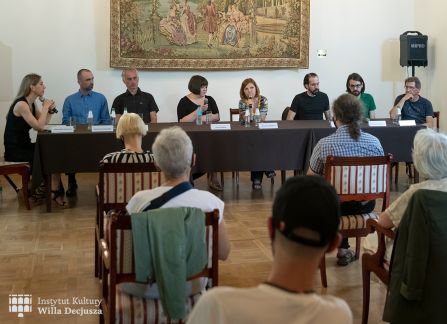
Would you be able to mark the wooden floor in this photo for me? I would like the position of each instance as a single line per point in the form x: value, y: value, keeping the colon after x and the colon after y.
x: 50, y: 255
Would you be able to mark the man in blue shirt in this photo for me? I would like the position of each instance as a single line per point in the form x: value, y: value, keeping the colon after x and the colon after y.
x: 412, y: 105
x: 78, y: 105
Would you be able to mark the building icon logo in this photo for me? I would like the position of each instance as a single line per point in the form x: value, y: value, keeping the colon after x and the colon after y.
x: 20, y: 303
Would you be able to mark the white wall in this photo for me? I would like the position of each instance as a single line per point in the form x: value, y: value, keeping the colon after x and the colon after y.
x: 430, y: 20
x: 56, y: 38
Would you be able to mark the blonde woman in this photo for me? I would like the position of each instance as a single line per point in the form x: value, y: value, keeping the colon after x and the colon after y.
x: 130, y: 130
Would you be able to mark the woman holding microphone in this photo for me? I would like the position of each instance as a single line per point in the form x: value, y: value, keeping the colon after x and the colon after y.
x: 22, y: 116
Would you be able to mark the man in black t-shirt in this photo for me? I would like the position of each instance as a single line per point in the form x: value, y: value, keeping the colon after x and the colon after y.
x: 311, y: 104
x: 134, y: 99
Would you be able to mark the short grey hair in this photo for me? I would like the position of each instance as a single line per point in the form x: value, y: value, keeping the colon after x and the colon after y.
x: 173, y: 151
x: 128, y: 69
x: 430, y: 154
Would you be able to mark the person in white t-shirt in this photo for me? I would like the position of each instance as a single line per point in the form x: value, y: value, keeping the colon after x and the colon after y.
x: 303, y: 226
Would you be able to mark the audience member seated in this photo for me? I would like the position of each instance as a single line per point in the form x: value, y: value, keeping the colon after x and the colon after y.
x: 187, y: 112
x: 348, y: 140
x: 303, y: 227
x: 430, y: 159
x: 251, y: 97
x: 130, y: 130
x: 173, y: 154
x: 22, y: 116
x: 412, y: 105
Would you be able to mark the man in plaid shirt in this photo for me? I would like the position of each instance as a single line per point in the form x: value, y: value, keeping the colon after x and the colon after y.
x: 348, y: 140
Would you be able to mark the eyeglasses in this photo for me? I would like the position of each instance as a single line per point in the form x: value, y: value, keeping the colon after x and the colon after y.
x: 354, y: 86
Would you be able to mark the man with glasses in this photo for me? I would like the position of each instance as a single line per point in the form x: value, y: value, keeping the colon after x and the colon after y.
x: 356, y: 86
x: 310, y: 104
x: 412, y: 105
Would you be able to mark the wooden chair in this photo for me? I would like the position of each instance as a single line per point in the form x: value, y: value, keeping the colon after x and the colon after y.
x: 358, y: 179
x: 375, y: 263
x: 118, y: 182
x: 22, y: 169
x: 119, y: 267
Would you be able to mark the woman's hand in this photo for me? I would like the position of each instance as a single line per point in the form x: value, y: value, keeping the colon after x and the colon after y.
x: 48, y: 105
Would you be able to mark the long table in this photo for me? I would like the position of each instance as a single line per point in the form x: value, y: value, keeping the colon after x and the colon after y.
x: 240, y: 149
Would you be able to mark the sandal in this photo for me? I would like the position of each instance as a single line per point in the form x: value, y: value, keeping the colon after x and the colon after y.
x: 345, y: 259
x: 57, y: 197
x: 215, y: 186
x: 256, y: 185
x: 270, y: 174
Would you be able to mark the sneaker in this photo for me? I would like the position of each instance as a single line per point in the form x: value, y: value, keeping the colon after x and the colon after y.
x: 343, y: 259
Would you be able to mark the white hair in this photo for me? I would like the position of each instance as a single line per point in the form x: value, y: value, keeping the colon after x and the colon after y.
x: 173, y: 151
x: 430, y: 154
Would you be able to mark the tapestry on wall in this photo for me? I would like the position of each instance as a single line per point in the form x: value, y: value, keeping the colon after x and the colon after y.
x: 204, y: 34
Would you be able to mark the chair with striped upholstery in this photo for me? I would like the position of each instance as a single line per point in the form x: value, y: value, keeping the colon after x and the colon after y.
x: 359, y: 179
x: 119, y: 267
x: 118, y: 182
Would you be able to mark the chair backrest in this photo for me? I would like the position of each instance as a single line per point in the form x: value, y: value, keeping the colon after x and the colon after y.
x: 285, y: 113
x: 121, y: 264
x: 360, y: 178
x: 234, y: 114
x: 436, y: 115
x: 121, y: 247
x: 118, y: 182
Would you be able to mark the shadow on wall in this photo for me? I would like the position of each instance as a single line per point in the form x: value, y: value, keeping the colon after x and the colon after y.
x: 6, y: 93
x: 391, y: 69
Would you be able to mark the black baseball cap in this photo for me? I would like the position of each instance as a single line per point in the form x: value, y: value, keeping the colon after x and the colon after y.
x: 307, y: 205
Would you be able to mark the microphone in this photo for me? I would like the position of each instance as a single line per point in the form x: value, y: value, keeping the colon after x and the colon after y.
x: 50, y: 111
x: 205, y: 101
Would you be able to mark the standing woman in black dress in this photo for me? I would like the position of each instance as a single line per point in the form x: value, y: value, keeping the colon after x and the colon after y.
x: 21, y: 117
x: 187, y: 112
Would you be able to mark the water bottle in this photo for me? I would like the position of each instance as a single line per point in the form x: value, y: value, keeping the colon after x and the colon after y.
x: 199, y: 115
x: 90, y: 119
x: 113, y: 117
x: 247, y: 116
x: 397, y: 116
x: 257, y: 117
x: 125, y: 110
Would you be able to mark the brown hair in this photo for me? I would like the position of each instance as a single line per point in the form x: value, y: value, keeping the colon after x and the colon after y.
x: 348, y: 110
x: 25, y: 86
x: 244, y: 84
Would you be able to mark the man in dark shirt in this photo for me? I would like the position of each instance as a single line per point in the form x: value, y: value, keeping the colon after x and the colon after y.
x: 412, y: 105
x: 311, y: 104
x: 134, y: 99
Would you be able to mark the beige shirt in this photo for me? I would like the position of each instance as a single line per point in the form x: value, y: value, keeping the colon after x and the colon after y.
x: 397, y: 209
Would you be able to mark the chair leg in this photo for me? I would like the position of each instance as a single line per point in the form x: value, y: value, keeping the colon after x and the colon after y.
x: 396, y: 176
x: 237, y: 177
x: 366, y: 277
x: 13, y: 185
x: 283, y: 176
x: 357, y: 247
x: 25, y: 179
x: 323, y: 271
